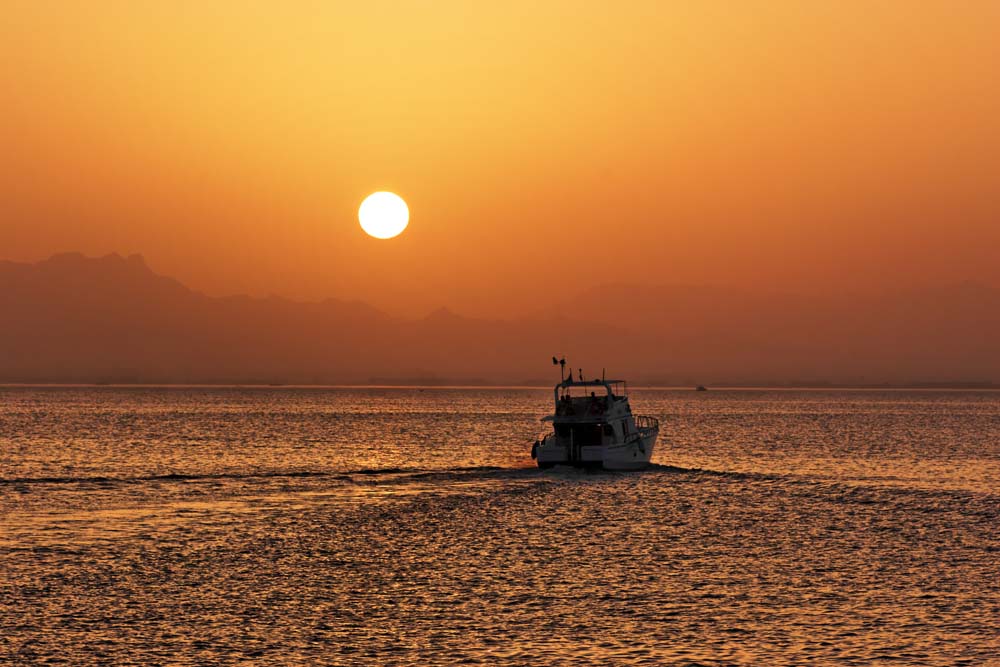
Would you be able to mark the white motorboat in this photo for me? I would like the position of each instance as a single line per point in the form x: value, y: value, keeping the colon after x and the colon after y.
x: 593, y: 427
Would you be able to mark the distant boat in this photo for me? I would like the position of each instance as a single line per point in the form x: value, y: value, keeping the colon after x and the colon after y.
x: 591, y: 431
x: 701, y: 387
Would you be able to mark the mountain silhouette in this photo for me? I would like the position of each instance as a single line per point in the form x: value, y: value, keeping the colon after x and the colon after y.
x: 111, y: 319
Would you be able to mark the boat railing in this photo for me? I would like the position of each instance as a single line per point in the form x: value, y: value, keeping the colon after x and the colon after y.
x: 644, y: 423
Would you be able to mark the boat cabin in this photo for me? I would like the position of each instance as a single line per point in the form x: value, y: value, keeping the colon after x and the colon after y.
x: 592, y: 412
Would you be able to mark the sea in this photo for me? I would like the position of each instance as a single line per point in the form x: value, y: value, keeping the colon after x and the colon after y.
x: 408, y: 526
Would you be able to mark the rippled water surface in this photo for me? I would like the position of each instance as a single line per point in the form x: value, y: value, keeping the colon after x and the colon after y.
x: 407, y: 527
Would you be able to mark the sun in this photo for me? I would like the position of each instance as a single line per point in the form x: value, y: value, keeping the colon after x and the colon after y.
x: 383, y: 215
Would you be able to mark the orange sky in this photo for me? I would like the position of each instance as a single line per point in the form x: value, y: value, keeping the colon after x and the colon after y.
x: 540, y: 146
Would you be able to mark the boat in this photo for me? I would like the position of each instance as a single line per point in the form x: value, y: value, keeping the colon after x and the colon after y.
x: 701, y: 387
x: 593, y: 427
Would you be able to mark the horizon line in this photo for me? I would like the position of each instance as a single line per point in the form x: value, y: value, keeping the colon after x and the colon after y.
x: 920, y: 386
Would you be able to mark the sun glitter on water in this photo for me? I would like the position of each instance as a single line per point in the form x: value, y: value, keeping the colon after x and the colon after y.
x: 383, y: 215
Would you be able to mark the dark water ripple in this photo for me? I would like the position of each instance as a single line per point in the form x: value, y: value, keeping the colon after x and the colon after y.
x: 298, y: 556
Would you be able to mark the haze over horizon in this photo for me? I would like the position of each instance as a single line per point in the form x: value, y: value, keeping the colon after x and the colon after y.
x: 112, y: 319
x: 529, y: 308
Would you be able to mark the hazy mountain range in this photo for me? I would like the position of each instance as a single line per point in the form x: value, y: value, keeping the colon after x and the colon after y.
x: 76, y: 319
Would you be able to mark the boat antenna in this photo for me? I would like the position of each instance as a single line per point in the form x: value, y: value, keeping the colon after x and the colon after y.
x: 602, y: 374
x: 581, y: 374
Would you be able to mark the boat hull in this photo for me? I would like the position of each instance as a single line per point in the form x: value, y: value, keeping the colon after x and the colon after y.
x: 635, y: 455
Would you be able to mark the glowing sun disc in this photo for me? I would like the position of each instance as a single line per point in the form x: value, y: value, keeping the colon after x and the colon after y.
x: 383, y: 215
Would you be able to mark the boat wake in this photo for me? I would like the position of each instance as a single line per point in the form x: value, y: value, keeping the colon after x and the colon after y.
x: 361, y: 474
x: 346, y: 475
x: 462, y: 474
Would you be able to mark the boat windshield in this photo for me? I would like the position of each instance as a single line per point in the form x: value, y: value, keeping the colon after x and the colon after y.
x: 599, y: 391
